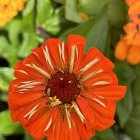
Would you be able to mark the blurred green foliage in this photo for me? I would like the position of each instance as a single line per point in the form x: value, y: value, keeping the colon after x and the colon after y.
x: 101, y: 22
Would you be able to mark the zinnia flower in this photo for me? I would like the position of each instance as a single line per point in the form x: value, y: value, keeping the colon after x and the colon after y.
x: 62, y: 93
x: 128, y: 48
x: 9, y: 9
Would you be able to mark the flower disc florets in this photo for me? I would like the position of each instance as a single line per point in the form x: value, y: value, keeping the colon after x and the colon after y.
x: 64, y: 85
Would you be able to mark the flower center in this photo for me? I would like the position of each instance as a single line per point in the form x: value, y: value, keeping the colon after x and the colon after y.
x: 63, y: 85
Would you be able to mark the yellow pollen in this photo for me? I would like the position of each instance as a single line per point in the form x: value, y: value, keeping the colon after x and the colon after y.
x: 54, y: 101
x: 69, y: 107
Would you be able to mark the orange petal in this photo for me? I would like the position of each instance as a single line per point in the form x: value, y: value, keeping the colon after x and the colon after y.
x: 17, y: 100
x: 17, y: 83
x: 86, y: 111
x: 39, y: 53
x: 101, y: 79
x: 61, y: 130
x: 133, y: 56
x: 121, y: 49
x: 36, y: 129
x: 24, y: 115
x: 130, y: 28
x: 95, y: 61
x: 104, y: 116
x: 103, y: 123
x: 71, y: 133
x: 21, y: 74
x: 112, y: 93
x: 136, y: 39
x: 85, y: 134
x: 25, y: 71
x: 92, y: 55
x: 134, y: 12
x: 108, y: 111
x: 103, y: 66
x: 56, y: 133
x: 130, y: 2
x: 53, y: 48
x: 79, y: 42
x: 55, y: 114
x: 32, y: 59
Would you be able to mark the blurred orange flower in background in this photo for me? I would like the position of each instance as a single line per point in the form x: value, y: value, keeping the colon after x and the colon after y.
x: 128, y: 48
x: 9, y: 9
x: 62, y: 93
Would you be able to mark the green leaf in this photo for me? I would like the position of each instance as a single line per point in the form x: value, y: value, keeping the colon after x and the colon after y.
x: 124, y: 136
x: 123, y: 71
x: 48, y: 18
x: 7, y: 51
x: 95, y: 31
x: 116, y: 12
x: 7, y: 127
x: 133, y: 125
x: 3, y: 42
x: 60, y: 1
x: 137, y: 70
x: 136, y: 85
x: 105, y: 135
x: 71, y: 11
x: 28, y: 17
x: 136, y: 91
x: 3, y: 96
x: 10, y: 54
x: 21, y: 24
x: 91, y: 8
x: 14, y: 34
x: 27, y: 136
x: 29, y: 42
x: 44, y: 11
x: 125, y: 106
x: 29, y: 8
x: 6, y: 76
x: 28, y: 22
x: 53, y: 24
x: 2, y: 137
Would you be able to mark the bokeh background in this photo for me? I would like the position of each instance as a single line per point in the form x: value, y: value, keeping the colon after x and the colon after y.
x: 101, y: 22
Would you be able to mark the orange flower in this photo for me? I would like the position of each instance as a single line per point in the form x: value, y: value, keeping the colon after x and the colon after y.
x: 134, y: 12
x: 62, y: 93
x: 129, y: 47
x: 9, y: 9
